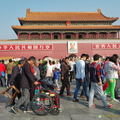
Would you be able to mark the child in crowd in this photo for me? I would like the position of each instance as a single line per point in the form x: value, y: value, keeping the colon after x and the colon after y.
x: 56, y: 77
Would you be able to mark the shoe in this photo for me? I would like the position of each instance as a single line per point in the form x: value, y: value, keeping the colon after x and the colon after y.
x: 95, y: 96
x: 60, y: 110
x: 115, y: 100
x: 117, y: 97
x: 109, y: 106
x: 92, y: 106
x: 28, y: 111
x: 75, y: 100
x: 13, y: 103
x: 70, y: 95
x: 61, y: 95
x: 82, y: 96
x: 14, y: 110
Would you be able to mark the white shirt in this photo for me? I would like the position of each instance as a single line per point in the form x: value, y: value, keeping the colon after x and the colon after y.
x: 72, y: 65
x: 49, y: 71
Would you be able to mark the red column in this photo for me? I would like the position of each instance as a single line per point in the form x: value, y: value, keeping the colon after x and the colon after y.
x: 61, y: 35
x: 40, y: 35
x: 76, y: 35
x: 118, y: 34
x: 28, y: 35
x: 87, y: 35
x: 108, y: 35
x: 51, y: 36
x: 98, y: 35
x: 18, y: 35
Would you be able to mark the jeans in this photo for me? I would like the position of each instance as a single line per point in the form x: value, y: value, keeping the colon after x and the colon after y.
x: 25, y: 98
x: 8, y: 81
x: 56, y: 82
x: 117, y: 87
x: 96, y: 87
x: 79, y: 83
x: 2, y: 78
x: 88, y: 86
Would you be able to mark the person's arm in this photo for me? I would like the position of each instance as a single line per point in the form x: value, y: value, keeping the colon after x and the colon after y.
x: 15, y: 72
x: 82, y: 70
x: 45, y: 63
x: 116, y: 67
x: 62, y: 71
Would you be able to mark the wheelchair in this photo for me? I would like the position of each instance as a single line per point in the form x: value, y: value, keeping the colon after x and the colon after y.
x: 46, y: 100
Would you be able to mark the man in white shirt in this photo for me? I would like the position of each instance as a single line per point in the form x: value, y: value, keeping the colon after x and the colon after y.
x: 72, y: 63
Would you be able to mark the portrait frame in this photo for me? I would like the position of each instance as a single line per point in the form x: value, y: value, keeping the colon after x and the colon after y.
x: 72, y: 47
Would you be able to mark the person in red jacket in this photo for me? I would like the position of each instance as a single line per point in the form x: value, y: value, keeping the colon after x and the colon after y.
x: 2, y: 73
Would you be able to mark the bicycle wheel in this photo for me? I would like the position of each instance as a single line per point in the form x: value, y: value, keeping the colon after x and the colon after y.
x: 41, y: 104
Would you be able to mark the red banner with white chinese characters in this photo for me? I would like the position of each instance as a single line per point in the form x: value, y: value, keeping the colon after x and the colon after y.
x: 26, y: 47
x: 106, y: 46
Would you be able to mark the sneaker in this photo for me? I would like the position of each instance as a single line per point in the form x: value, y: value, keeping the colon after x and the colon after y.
x: 75, y: 100
x: 70, y: 95
x: 14, y: 110
x: 117, y: 97
x: 61, y: 95
x: 109, y: 106
x: 82, y: 96
x: 60, y: 110
x: 115, y: 100
x: 92, y: 106
x: 28, y: 111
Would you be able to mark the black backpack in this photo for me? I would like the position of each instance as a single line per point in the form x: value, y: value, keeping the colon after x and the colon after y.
x: 93, y: 75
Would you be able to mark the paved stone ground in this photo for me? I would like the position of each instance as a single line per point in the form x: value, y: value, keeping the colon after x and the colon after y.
x: 70, y: 110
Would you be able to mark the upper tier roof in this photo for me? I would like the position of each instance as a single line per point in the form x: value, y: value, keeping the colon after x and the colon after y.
x: 66, y: 16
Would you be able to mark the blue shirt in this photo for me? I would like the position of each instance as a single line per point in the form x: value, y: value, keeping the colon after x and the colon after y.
x: 56, y: 74
x: 80, y: 69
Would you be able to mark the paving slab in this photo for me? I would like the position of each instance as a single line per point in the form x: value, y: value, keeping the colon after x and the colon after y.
x: 70, y: 110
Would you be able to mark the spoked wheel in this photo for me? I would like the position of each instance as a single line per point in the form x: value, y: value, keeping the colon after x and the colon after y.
x: 41, y: 104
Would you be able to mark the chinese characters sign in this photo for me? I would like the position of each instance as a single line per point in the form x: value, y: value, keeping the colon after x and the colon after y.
x: 106, y: 46
x: 25, y: 47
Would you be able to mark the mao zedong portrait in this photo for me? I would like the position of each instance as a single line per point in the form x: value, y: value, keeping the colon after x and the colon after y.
x: 72, y: 48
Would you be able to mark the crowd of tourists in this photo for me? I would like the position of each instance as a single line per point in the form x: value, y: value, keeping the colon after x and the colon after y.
x: 96, y: 78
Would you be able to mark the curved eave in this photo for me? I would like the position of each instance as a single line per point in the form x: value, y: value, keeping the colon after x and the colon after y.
x: 65, y: 27
x: 28, y: 20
